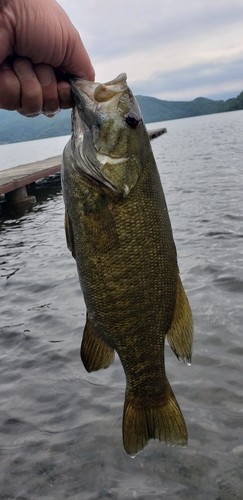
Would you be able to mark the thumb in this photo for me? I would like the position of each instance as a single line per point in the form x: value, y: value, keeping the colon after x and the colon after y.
x: 5, y: 47
x: 77, y: 61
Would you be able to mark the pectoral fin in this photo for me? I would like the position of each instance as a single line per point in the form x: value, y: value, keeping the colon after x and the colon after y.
x: 180, y: 333
x: 95, y: 353
x: 69, y: 234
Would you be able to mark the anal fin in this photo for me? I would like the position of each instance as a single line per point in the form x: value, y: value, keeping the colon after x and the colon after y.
x: 95, y: 353
x: 180, y: 333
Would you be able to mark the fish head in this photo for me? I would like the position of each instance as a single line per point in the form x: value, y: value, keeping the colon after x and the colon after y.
x: 107, y: 133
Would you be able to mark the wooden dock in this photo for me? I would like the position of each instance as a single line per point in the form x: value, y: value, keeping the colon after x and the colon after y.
x: 17, y: 177
x: 13, y: 181
x: 156, y: 133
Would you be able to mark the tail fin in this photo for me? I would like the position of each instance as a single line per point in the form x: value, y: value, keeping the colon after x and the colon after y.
x: 152, y: 418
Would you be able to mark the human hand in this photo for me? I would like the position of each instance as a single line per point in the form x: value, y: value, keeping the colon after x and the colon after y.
x: 38, y: 45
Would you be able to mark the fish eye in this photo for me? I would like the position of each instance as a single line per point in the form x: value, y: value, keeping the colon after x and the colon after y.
x: 133, y: 120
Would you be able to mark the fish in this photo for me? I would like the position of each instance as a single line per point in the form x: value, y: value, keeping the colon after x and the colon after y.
x: 119, y: 232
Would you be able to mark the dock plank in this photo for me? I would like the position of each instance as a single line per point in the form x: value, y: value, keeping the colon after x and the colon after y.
x: 16, y: 177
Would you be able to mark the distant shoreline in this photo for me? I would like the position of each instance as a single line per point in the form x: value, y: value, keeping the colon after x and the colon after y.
x: 16, y: 128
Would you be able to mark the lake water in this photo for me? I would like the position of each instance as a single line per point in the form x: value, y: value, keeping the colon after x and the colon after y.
x: 20, y: 153
x: 60, y: 427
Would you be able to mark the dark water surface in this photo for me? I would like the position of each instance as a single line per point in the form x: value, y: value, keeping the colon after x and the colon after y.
x: 60, y: 428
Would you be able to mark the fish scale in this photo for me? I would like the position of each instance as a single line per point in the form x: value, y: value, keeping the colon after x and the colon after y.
x: 118, y: 229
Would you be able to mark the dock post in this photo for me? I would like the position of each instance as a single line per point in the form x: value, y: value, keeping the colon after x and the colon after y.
x: 19, y: 196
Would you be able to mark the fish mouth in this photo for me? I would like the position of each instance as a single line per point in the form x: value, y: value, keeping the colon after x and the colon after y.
x: 88, y: 95
x: 100, y: 92
x: 90, y: 162
x: 94, y: 145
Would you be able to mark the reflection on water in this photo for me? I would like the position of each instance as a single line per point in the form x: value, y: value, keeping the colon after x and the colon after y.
x: 60, y: 428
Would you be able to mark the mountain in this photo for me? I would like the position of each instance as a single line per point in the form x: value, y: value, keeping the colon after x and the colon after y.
x: 155, y: 110
x: 17, y: 128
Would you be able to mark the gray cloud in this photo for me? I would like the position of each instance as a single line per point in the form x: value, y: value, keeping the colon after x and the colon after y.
x: 125, y: 36
x: 194, y: 77
x: 168, y: 47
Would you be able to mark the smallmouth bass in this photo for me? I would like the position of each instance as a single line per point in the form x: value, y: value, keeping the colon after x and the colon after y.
x: 118, y: 230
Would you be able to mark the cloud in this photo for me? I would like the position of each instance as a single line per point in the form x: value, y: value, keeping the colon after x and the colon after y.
x: 205, y: 79
x: 167, y: 47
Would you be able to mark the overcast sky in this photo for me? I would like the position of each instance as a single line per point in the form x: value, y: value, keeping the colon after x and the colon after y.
x: 170, y: 49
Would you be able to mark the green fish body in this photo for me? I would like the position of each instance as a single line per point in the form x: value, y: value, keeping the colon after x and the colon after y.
x: 118, y: 230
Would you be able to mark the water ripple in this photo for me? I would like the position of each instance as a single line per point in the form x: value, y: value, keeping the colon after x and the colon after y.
x: 60, y: 428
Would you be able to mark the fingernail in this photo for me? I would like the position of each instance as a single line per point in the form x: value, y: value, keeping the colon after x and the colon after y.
x: 24, y: 70
x: 45, y: 76
x: 50, y: 113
